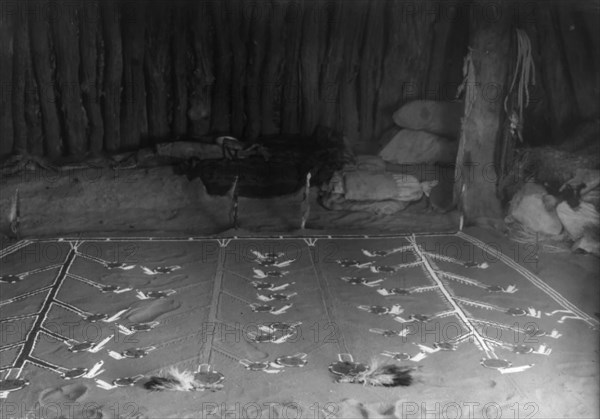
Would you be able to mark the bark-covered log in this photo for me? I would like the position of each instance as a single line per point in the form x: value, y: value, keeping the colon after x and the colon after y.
x: 589, y: 24
x: 440, y: 49
x: 561, y: 99
x: 370, y: 72
x: 21, y: 53
x: 67, y: 65
x: 272, y: 75
x: 156, y: 66
x: 111, y: 104
x: 221, y: 98
x: 6, y: 72
x: 39, y: 33
x: 313, y: 22
x: 259, y: 24
x: 202, y: 82
x: 405, y: 62
x: 333, y: 65
x: 448, y: 48
x: 580, y: 62
x: 134, y: 124
x: 354, y: 28
x: 89, y: 33
x: 476, y: 176
x: 239, y: 35
x: 179, y: 48
x: 33, y: 113
x: 290, y: 123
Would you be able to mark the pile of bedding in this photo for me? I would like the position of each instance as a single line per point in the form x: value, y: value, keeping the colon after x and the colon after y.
x: 367, y: 186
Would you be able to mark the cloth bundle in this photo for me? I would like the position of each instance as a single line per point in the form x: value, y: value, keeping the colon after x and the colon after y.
x: 384, y: 192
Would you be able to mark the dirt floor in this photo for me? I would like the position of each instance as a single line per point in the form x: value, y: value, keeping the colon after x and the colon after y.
x: 482, y: 300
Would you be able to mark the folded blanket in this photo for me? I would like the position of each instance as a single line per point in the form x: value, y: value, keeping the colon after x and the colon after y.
x: 369, y: 186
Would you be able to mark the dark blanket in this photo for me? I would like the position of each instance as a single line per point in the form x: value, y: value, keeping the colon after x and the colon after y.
x: 290, y: 159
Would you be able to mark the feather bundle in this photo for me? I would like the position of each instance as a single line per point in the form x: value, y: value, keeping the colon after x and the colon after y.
x: 175, y: 380
x: 383, y: 375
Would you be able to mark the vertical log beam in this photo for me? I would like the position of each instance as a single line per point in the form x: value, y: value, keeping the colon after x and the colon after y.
x: 221, y: 100
x: 405, y: 62
x: 89, y: 34
x: 33, y: 112
x: 6, y: 80
x: 259, y: 25
x: 67, y: 65
x: 239, y: 35
x: 21, y: 55
x: 200, y: 98
x: 445, y: 67
x: 111, y: 104
x: 354, y: 28
x: 179, y: 48
x: 579, y: 59
x: 369, y: 77
x: 39, y: 33
x: 290, y: 123
x: 310, y: 65
x: 271, y: 83
x: 156, y: 64
x: 134, y: 123
x: 333, y: 64
x: 562, y: 102
x: 482, y: 128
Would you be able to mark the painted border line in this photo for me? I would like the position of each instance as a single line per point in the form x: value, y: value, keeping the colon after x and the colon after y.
x: 217, y: 237
x: 14, y: 247
x: 535, y: 280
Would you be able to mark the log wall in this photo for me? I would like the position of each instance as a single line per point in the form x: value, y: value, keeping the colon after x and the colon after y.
x: 102, y: 76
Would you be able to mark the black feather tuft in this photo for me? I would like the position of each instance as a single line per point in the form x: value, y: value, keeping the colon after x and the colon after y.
x: 161, y: 384
x: 397, y: 376
x: 387, y: 375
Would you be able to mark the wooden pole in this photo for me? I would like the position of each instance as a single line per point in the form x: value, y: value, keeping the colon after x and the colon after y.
x: 202, y: 82
x: 305, y: 206
x: 111, y: 104
x: 33, y: 112
x: 40, y: 50
x: 89, y: 51
x: 259, y: 24
x: 156, y: 65
x: 239, y: 34
x: 66, y: 42
x: 354, y: 28
x: 481, y: 128
x: 290, y: 123
x: 221, y: 106
x: 21, y: 55
x: 134, y: 123
x: 179, y: 47
x: 271, y: 81
x: 579, y: 56
x: 333, y: 64
x: 369, y: 77
x: 561, y: 98
x: 310, y: 65
x: 234, y: 204
x: 405, y: 62
x: 7, y: 26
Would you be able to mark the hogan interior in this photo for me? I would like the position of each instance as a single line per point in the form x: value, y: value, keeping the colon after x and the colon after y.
x: 387, y: 122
